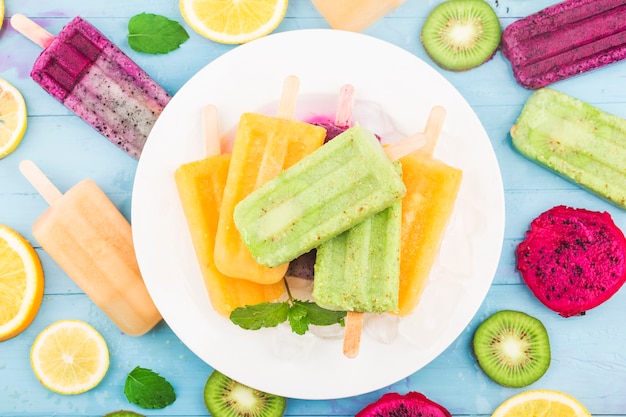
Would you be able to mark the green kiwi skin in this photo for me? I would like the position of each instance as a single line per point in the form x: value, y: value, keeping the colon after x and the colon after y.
x: 532, y: 336
x: 486, y: 43
x: 223, y: 395
x: 123, y: 413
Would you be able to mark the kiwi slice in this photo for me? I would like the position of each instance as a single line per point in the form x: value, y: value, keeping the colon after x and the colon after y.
x: 123, y: 413
x: 461, y: 34
x: 512, y: 348
x: 225, y: 397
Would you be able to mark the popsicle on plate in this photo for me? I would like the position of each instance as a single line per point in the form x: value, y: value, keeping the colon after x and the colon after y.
x: 90, y: 239
x: 303, y: 265
x: 384, y: 259
x: 566, y: 39
x: 432, y: 187
x: 92, y: 77
x: 354, y: 15
x: 326, y: 193
x: 358, y: 271
x: 200, y: 186
x: 576, y: 140
x: 263, y: 147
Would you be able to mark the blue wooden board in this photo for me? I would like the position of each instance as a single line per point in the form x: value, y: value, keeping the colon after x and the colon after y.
x: 588, y: 352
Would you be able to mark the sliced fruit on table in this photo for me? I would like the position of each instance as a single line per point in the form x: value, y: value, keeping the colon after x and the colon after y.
x: 233, y: 21
x: 21, y: 283
x: 225, y: 397
x: 461, y: 34
x: 512, y: 348
x: 409, y: 404
x: 70, y: 357
x: 123, y: 413
x: 541, y: 403
x: 573, y: 259
x: 13, y: 114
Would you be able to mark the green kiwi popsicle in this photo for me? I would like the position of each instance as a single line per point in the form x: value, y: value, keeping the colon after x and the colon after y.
x: 575, y: 140
x: 321, y: 196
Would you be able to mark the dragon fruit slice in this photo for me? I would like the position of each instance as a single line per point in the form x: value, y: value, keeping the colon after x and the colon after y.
x: 573, y: 259
x: 412, y: 404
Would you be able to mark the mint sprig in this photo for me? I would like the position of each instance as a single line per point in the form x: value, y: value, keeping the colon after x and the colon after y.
x: 148, y: 389
x: 300, y: 314
x: 154, y: 34
x: 254, y: 317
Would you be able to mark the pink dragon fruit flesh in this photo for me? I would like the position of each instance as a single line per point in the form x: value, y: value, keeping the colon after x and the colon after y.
x: 572, y: 259
x: 412, y: 404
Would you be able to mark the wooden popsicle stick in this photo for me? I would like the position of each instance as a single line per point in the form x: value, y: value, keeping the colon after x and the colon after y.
x: 40, y: 181
x: 425, y: 141
x: 345, y: 103
x: 405, y: 146
x: 354, y: 320
x: 434, y: 124
x: 287, y: 103
x: 211, y: 130
x: 352, y: 335
x: 32, y: 30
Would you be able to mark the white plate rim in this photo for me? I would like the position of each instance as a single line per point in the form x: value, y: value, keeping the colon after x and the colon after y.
x: 318, y: 370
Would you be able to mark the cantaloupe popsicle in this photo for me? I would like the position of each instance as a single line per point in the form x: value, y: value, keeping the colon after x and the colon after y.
x: 354, y: 15
x: 200, y: 186
x: 90, y: 239
x: 264, y: 146
x: 432, y: 188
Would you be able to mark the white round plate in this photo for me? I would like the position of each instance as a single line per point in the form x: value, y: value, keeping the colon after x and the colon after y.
x: 394, y: 93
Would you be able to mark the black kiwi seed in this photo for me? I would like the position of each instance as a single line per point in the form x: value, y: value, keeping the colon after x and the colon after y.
x: 461, y: 34
x: 512, y: 348
x: 225, y: 397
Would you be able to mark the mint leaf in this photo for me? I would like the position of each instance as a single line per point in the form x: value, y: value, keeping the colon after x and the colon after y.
x: 154, y: 34
x: 298, y: 318
x: 253, y: 317
x: 148, y: 389
x: 300, y: 314
x: 319, y: 316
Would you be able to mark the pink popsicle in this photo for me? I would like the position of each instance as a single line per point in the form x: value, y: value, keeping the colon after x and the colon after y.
x: 91, y: 76
x: 566, y: 39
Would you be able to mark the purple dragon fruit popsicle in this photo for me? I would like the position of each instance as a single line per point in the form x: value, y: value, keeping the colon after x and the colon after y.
x: 566, y: 39
x: 92, y: 77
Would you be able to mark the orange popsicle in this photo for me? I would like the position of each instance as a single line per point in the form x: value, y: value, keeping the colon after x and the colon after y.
x: 432, y: 188
x: 200, y: 186
x: 90, y: 239
x: 264, y: 146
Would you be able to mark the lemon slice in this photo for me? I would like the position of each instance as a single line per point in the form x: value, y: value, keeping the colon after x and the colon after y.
x: 12, y: 116
x: 21, y: 283
x: 233, y: 21
x: 69, y: 357
x: 541, y: 403
x: 1, y: 12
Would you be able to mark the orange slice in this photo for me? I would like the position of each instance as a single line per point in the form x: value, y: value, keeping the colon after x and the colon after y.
x: 69, y: 357
x: 21, y: 283
x: 13, y: 118
x: 541, y: 403
x: 233, y: 21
